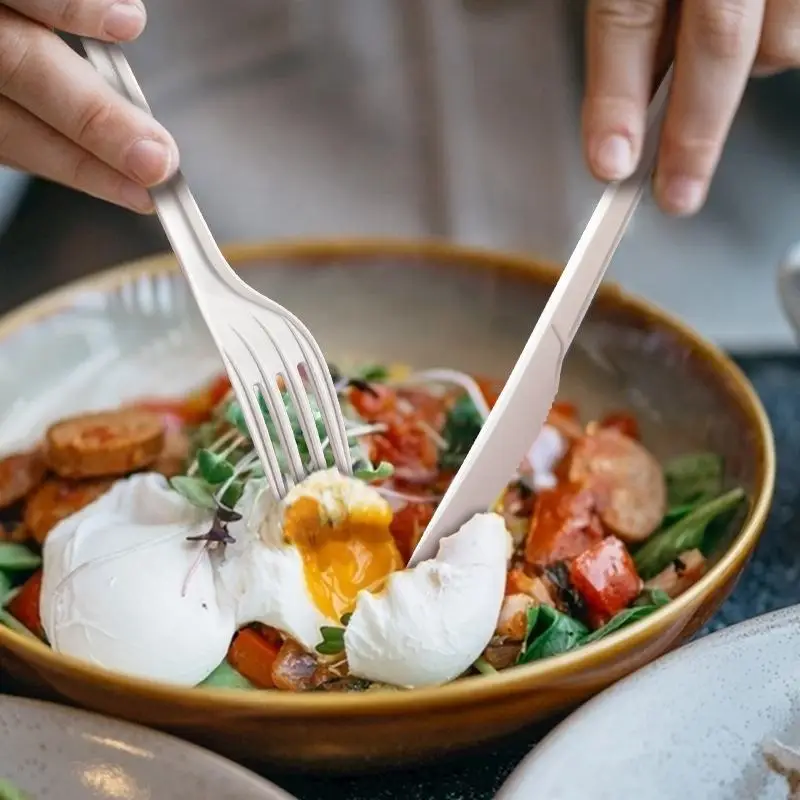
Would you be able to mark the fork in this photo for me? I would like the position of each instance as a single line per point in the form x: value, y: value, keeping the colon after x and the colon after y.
x: 531, y: 387
x: 262, y: 344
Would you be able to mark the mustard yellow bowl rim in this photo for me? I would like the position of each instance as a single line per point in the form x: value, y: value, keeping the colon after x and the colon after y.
x: 474, y: 689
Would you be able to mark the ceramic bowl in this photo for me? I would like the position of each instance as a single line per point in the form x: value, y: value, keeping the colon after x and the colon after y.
x: 135, y: 330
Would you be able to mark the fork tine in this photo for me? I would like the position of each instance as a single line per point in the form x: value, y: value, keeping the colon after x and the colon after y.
x: 277, y: 413
x: 297, y: 391
x: 255, y: 424
x: 326, y: 396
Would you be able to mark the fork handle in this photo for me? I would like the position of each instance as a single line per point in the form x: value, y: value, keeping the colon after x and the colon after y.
x: 191, y: 240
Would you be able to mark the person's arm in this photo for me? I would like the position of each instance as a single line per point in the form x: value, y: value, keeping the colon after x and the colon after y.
x: 58, y: 117
x: 717, y: 44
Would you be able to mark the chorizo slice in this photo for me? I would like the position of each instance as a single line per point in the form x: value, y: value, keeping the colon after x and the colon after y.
x: 20, y: 474
x: 55, y: 500
x: 105, y: 444
x: 627, y: 480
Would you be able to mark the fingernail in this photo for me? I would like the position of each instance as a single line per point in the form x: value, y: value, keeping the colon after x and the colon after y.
x: 614, y: 158
x: 681, y: 195
x: 125, y: 20
x: 135, y: 197
x: 150, y: 162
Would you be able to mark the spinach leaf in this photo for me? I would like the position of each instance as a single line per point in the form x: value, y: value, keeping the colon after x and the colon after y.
x: 692, y: 478
x: 625, y: 617
x: 15, y: 625
x: 16, y: 557
x: 461, y: 428
x: 687, y: 533
x: 226, y: 677
x: 372, y: 373
x: 10, y: 792
x: 652, y: 597
x: 550, y: 633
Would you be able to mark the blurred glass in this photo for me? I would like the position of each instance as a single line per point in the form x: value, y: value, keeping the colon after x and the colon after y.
x: 369, y: 117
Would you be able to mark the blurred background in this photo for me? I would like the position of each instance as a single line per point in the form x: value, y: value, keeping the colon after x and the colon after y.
x: 455, y: 119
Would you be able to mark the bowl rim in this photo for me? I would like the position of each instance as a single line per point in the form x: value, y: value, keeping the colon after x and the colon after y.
x: 473, y: 689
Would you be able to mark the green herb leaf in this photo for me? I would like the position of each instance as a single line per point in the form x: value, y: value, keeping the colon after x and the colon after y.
x: 15, y: 625
x: 10, y: 792
x: 16, y: 557
x: 213, y: 467
x: 346, y: 619
x: 226, y: 677
x: 626, y: 617
x: 461, y: 429
x: 369, y: 474
x: 692, y: 478
x: 664, y: 547
x: 372, y: 373
x: 363, y: 469
x: 332, y: 640
x: 550, y: 633
x: 196, y: 491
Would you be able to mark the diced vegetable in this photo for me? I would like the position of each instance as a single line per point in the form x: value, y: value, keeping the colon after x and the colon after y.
x: 686, y: 534
x: 408, y: 525
x: 564, y: 524
x: 24, y: 606
x: 373, y: 402
x: 513, y: 621
x: 253, y: 656
x: 294, y: 669
x: 5, y: 587
x: 682, y: 573
x: 550, y: 633
x: 606, y: 577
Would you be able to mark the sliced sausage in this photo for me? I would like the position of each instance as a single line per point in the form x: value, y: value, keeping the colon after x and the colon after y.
x: 682, y: 573
x: 20, y: 474
x: 106, y: 444
x: 55, y: 500
x: 626, y: 479
x: 564, y: 524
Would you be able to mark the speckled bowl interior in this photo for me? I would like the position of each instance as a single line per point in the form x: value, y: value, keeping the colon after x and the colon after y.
x: 136, y: 331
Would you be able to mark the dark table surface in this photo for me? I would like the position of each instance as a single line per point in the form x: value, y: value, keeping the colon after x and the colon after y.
x: 58, y: 236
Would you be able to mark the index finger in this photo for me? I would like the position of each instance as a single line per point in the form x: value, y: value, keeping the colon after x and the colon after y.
x: 112, y: 20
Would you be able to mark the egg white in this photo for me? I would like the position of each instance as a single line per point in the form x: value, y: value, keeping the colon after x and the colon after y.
x: 123, y: 589
x: 430, y: 623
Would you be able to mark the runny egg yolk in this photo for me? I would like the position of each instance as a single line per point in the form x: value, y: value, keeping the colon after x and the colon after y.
x: 344, y: 556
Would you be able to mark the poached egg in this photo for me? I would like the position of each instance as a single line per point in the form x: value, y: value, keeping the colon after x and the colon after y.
x: 300, y: 564
x: 124, y: 589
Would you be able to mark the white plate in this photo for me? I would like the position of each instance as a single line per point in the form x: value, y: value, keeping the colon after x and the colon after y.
x: 50, y: 751
x: 692, y: 726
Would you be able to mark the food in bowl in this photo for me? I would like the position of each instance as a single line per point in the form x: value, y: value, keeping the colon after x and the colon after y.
x: 164, y: 556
